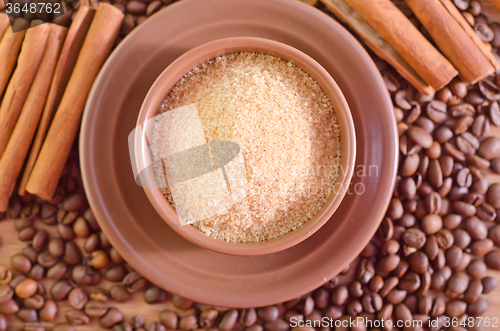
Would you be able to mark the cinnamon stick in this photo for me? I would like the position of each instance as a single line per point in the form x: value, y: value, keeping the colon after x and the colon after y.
x: 4, y: 23
x: 452, y: 40
x: 19, y: 143
x: 62, y: 132
x: 457, y: 15
x: 27, y: 65
x: 10, y: 45
x: 65, y: 65
x: 496, y: 3
x: 396, y: 29
x: 377, y: 43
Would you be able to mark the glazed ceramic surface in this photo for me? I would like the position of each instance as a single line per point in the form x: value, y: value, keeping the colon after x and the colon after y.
x: 136, y: 229
x: 199, y: 55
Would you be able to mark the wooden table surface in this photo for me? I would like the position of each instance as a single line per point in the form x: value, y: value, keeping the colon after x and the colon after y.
x: 9, y: 245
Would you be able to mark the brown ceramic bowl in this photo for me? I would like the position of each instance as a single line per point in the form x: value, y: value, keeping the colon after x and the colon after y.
x: 195, y: 57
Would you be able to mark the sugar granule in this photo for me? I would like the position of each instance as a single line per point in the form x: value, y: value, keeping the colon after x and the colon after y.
x: 288, y: 135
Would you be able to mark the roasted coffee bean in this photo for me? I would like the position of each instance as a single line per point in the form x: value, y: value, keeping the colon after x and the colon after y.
x: 30, y: 253
x: 437, y: 111
x: 56, y: 247
x: 395, y: 209
x: 456, y: 308
x: 115, y: 256
x: 9, y: 308
x: 486, y: 212
x: 17, y: 280
x: 119, y: 293
x: 400, y: 269
x: 247, y: 317
x: 463, y: 208
x: 27, y: 234
x: 6, y: 293
x: 92, y: 243
x: 482, y: 247
x: 493, y: 260
x: 489, y: 148
x: 21, y: 263
x: 154, y: 294
x: 388, y: 263
x: 457, y: 284
x: 5, y: 275
x: 376, y: 284
x: 48, y: 214
x: 115, y: 273
x: 170, y: 318
x: 339, y: 295
x: 355, y: 291
x: 452, y: 151
x: 431, y: 247
x: 65, y: 231
x: 462, y: 124
x: 40, y: 240
x: 477, y: 308
x: 137, y: 322
x: 27, y: 315
x: 489, y: 284
x: 113, y: 316
x: 489, y: 89
x: 60, y: 290
x: 438, y: 307
x: 444, y: 239
x: 77, y: 317
x: 443, y: 134
x: 432, y: 223
x: 370, y: 250
x: 95, y: 308
x: 453, y: 256
x: 414, y: 238
x: 34, y: 302
x: 155, y: 326
x: 66, y: 217
x: 481, y: 126
x: 75, y: 201
x: 495, y: 165
x: 426, y: 124
x: 476, y: 228
x: 410, y: 165
x: 77, y: 298
x: 424, y: 304
x: 462, y: 4
x: 474, y: 291
x: 461, y: 238
x: 81, y: 228
x: 26, y: 288
x: 419, y: 262
x: 407, y: 188
x: 410, y: 282
x: 72, y: 254
x: 493, y: 195
x: 389, y: 247
x: 57, y: 271
x: 48, y: 312
x: 464, y: 178
x: 401, y: 312
x: 452, y: 221
x: 477, y: 268
x: 228, y: 320
x: 46, y: 260
x: 134, y: 282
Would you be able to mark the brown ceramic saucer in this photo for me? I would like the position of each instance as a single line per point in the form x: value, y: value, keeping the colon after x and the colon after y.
x: 138, y: 232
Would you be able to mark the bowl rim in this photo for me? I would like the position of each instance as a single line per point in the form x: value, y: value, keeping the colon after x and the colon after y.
x: 157, y: 93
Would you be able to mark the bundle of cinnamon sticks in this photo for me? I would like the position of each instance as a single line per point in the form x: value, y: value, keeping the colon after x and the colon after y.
x: 46, y: 73
x: 394, y: 38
